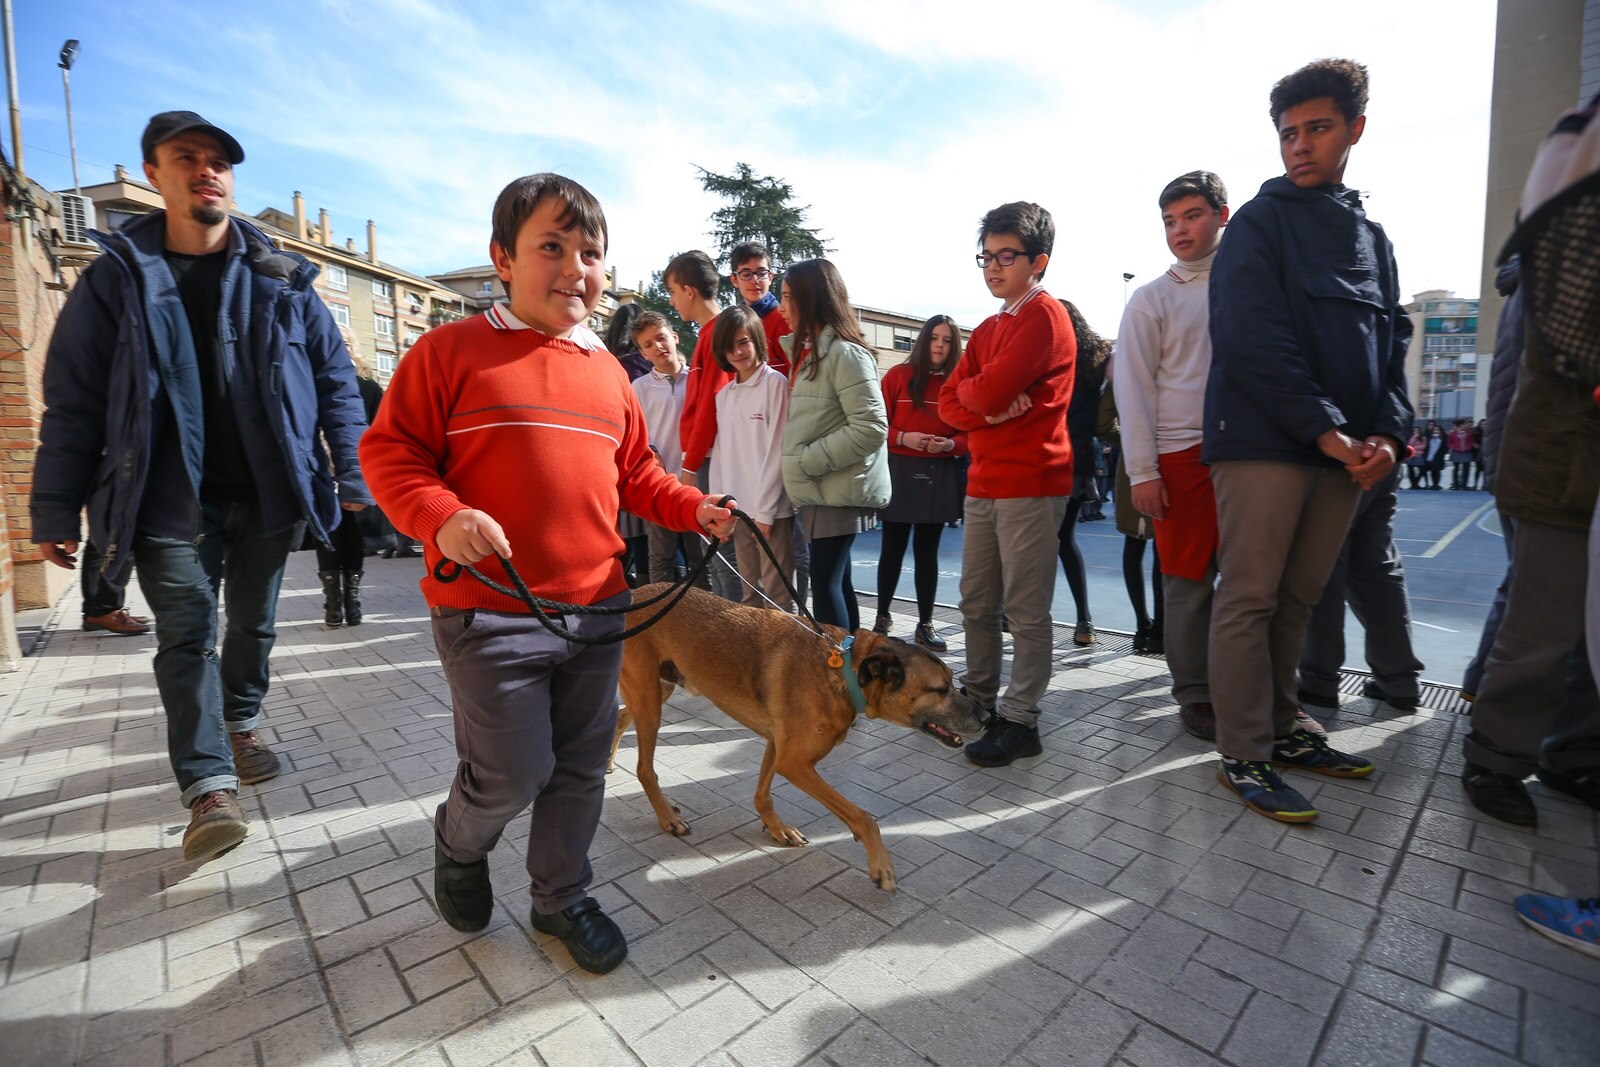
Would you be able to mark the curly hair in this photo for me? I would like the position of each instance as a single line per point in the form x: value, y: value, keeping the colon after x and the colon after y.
x: 1344, y: 80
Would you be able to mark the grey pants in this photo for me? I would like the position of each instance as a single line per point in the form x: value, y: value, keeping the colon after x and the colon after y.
x: 1008, y: 555
x: 534, y: 715
x: 1188, y: 634
x: 1371, y: 579
x: 664, y: 545
x: 1280, y: 527
x: 757, y: 571
x: 1536, y: 695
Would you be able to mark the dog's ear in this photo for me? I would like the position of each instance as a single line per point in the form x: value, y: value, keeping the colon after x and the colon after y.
x: 882, y: 667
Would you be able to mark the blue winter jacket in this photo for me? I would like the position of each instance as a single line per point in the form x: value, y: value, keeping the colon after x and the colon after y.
x: 123, y: 432
x: 1307, y: 329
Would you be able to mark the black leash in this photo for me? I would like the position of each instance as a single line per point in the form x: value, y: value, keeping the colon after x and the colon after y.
x: 448, y: 570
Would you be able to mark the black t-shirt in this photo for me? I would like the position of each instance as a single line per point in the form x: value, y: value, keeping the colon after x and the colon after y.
x: 227, y: 470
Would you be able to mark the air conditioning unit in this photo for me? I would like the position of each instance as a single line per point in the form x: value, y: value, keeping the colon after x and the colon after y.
x: 77, y: 216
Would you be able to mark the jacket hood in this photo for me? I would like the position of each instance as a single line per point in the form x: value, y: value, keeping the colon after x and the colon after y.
x: 1285, y: 189
x: 143, y: 240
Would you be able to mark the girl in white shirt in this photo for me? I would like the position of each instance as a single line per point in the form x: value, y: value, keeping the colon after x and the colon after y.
x: 747, y: 463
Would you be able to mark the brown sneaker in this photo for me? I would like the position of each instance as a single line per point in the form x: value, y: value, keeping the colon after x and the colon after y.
x: 1304, y: 721
x: 216, y: 824
x: 253, y: 761
x: 117, y: 622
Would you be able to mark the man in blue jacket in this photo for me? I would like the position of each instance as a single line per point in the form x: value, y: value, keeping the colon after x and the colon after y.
x: 1305, y: 407
x: 186, y: 383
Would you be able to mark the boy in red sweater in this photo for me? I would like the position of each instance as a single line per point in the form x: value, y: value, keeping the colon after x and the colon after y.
x: 1010, y: 394
x: 750, y: 271
x: 512, y: 430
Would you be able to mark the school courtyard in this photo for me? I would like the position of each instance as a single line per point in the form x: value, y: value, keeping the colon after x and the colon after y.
x: 1106, y: 903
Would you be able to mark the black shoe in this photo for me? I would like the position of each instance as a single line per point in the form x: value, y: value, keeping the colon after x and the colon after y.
x: 1199, y: 719
x: 1502, y: 796
x: 1584, y: 784
x: 1309, y: 696
x: 462, y: 892
x: 1003, y: 742
x: 332, y: 598
x: 596, y: 943
x: 406, y: 553
x: 352, y: 598
x: 1141, y: 639
x: 929, y: 640
x: 1373, y: 691
x: 1157, y: 645
x: 882, y: 624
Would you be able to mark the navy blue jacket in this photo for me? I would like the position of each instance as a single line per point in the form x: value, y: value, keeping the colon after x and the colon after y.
x: 1307, y: 329
x: 123, y: 431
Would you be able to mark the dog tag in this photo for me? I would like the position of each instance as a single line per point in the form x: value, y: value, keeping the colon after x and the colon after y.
x: 835, y: 661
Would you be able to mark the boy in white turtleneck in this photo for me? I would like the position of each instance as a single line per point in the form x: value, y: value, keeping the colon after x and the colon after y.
x: 1162, y: 361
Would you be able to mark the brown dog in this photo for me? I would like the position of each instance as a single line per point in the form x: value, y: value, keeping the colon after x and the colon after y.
x: 772, y: 675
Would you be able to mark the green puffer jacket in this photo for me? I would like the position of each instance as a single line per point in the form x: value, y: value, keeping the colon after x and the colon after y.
x: 833, y: 446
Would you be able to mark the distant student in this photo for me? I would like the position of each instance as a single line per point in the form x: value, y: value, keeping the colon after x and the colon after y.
x: 750, y: 267
x: 661, y: 394
x: 1306, y: 406
x: 1010, y: 394
x: 1162, y: 360
x: 691, y: 281
x: 478, y: 411
x: 752, y: 411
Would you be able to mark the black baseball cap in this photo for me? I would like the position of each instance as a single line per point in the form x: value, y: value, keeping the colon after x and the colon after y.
x: 169, y: 124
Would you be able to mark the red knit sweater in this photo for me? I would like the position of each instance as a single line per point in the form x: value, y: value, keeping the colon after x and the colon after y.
x: 543, y: 436
x: 774, y: 325
x: 697, y: 426
x: 1032, y: 351
x: 906, y: 417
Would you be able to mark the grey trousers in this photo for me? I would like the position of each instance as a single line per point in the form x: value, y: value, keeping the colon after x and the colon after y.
x: 1538, y: 703
x: 756, y: 570
x: 1472, y: 677
x: 1280, y: 527
x: 1188, y: 634
x: 664, y: 545
x: 1370, y: 577
x: 1008, y: 555
x: 534, y: 715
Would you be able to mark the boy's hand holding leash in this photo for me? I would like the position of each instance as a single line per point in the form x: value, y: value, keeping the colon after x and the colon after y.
x: 716, y: 520
x: 468, y: 536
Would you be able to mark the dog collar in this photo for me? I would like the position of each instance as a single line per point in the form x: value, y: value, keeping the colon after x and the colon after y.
x: 858, y: 699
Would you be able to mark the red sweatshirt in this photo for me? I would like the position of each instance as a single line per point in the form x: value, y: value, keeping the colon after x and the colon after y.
x: 906, y: 417
x: 544, y: 436
x: 1030, y: 349
x: 774, y: 325
x: 697, y: 427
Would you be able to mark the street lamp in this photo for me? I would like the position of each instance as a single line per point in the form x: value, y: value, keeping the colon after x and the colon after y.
x: 1126, y: 278
x: 69, y: 52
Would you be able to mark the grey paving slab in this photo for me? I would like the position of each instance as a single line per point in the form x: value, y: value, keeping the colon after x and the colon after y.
x: 1103, y: 904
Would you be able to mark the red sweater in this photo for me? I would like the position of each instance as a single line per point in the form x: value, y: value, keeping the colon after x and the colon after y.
x: 697, y: 426
x: 774, y: 325
x: 542, y: 435
x: 906, y: 417
x: 1032, y: 351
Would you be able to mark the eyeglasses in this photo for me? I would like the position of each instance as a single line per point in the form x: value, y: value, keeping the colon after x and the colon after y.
x: 753, y: 275
x: 1005, y: 257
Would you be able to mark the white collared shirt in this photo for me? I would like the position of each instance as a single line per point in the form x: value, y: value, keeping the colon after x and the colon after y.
x: 500, y: 317
x: 1017, y: 305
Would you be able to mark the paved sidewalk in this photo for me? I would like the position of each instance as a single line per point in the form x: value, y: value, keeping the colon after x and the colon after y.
x: 1103, y: 904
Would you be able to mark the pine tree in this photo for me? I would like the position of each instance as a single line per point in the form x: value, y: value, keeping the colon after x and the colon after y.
x: 758, y: 208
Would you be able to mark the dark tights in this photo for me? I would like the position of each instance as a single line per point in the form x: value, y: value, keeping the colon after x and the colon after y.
x: 347, y: 550
x: 1133, y: 578
x: 833, y: 598
x: 1072, y: 559
x: 925, y: 556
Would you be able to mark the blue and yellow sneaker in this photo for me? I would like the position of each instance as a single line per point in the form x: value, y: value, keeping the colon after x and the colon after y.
x: 1306, y: 751
x: 1573, y: 922
x: 1263, y: 792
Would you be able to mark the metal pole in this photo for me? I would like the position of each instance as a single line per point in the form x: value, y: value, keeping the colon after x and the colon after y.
x: 11, y: 88
x: 72, y: 140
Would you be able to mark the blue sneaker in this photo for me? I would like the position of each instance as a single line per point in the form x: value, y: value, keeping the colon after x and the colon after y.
x: 1571, y: 921
x: 1263, y: 792
x: 1307, y: 751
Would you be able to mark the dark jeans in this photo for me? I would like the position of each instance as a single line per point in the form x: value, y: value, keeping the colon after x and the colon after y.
x: 833, y: 597
x: 101, y: 596
x: 348, y: 548
x: 207, y: 697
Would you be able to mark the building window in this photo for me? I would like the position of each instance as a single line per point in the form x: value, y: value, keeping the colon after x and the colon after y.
x: 413, y: 335
x: 383, y: 289
x: 383, y: 325
x: 414, y: 302
x: 338, y: 278
x: 903, y: 341
x: 386, y: 363
x: 341, y: 314
x: 486, y: 289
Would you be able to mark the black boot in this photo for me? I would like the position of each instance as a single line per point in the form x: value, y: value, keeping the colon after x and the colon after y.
x: 332, y: 600
x: 352, y: 598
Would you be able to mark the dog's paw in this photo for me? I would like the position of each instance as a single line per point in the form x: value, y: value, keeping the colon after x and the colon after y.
x: 675, y: 826
x: 787, y: 835
x: 883, y: 878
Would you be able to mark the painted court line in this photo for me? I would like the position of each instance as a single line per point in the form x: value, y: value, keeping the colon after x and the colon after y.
x: 1444, y: 542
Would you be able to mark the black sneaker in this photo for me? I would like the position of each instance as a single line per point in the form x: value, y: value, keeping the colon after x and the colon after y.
x: 1584, y: 784
x: 1199, y: 719
x: 1375, y: 692
x: 1263, y: 792
x: 1307, y: 751
x: 1501, y: 796
x: 462, y: 892
x: 1003, y: 742
x: 1316, y: 699
x: 595, y: 941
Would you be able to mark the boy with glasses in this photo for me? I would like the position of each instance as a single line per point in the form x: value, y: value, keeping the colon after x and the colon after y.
x: 1010, y: 394
x: 750, y: 267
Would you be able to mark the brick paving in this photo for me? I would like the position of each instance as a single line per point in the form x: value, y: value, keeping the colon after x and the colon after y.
x: 1102, y: 904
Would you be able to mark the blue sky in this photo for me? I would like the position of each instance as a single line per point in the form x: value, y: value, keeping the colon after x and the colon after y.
x: 898, y: 122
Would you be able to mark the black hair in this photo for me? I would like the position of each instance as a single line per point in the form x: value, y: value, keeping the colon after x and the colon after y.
x: 1344, y: 80
x: 744, y: 252
x: 619, y: 335
x: 921, y: 355
x: 518, y: 201
x: 1200, y: 183
x: 1031, y: 223
x: 729, y: 322
x: 693, y: 269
